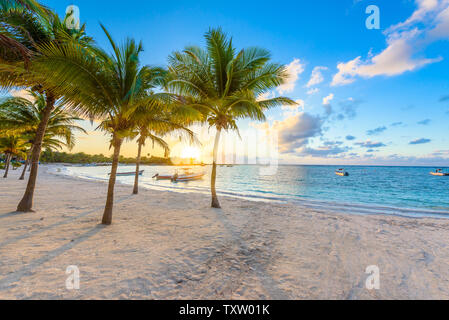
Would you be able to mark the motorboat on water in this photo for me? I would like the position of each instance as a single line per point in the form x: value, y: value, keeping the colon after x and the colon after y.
x: 439, y: 173
x: 127, y: 174
x: 159, y: 177
x: 342, y: 173
x: 186, y: 175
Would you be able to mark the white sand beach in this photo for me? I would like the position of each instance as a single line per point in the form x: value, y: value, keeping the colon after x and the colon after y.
x: 173, y: 246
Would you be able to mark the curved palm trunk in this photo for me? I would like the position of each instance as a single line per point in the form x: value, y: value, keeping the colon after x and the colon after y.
x: 136, y: 179
x: 22, y: 177
x: 215, y: 202
x: 107, y: 216
x: 26, y: 203
x: 8, y: 161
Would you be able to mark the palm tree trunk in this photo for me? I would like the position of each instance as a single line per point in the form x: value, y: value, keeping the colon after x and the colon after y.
x: 215, y: 202
x: 8, y: 160
x: 26, y: 203
x: 107, y: 216
x: 22, y: 177
x: 136, y: 179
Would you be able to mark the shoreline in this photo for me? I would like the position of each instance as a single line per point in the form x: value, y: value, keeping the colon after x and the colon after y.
x: 315, y: 204
x: 174, y: 246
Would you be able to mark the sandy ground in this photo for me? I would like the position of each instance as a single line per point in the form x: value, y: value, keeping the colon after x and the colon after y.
x: 173, y: 246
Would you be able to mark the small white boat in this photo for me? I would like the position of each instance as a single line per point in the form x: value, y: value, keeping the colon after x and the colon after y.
x: 439, y: 173
x: 127, y: 174
x: 187, y: 176
x: 342, y: 173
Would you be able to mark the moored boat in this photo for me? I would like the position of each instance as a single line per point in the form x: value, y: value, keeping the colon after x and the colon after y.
x: 126, y: 174
x: 342, y: 173
x: 187, y: 177
x: 439, y: 173
x: 159, y: 177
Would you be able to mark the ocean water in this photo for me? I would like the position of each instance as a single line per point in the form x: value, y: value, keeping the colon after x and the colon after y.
x: 407, y: 191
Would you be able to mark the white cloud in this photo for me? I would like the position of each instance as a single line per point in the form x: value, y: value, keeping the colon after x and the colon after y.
x: 293, y: 109
x: 427, y: 24
x: 266, y: 96
x: 294, y: 69
x: 327, y: 100
x: 316, y: 77
x: 313, y: 91
x: 22, y: 94
x: 295, y: 131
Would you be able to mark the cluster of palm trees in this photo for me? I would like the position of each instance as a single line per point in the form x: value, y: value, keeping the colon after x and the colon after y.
x: 68, y: 73
x: 19, y: 120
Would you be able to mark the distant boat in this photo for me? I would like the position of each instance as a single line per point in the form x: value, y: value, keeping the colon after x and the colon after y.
x: 440, y: 173
x: 230, y: 166
x: 126, y: 174
x: 342, y: 173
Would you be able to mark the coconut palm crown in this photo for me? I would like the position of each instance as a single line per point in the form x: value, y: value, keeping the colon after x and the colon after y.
x: 225, y: 84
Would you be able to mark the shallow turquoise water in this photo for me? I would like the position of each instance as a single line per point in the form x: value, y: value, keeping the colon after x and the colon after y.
x: 410, y: 191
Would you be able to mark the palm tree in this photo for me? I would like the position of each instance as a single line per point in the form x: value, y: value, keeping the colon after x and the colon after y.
x: 33, y: 29
x: 225, y: 85
x: 11, y: 49
x: 153, y: 123
x: 102, y: 86
x: 12, y: 146
x: 22, y: 116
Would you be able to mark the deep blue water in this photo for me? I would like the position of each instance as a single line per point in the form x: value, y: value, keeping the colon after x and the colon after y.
x: 410, y: 191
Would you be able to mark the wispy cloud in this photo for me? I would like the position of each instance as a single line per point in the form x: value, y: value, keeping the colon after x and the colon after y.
x: 424, y: 122
x: 349, y: 108
x: 292, y: 109
x: 294, y: 70
x: 316, y: 77
x: 444, y: 98
x: 350, y: 138
x: 370, y: 144
x: 420, y: 141
x: 376, y: 131
x: 313, y: 91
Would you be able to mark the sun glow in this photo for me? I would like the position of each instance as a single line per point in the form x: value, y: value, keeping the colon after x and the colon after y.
x: 191, y: 153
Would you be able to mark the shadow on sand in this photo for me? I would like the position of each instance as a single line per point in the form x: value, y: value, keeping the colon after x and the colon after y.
x: 28, y: 269
x: 54, y: 225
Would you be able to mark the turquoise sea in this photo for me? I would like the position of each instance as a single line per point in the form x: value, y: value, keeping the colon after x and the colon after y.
x: 408, y: 191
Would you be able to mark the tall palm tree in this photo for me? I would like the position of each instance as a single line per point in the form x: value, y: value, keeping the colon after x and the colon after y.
x: 102, y: 86
x: 33, y: 29
x: 224, y: 84
x: 12, y: 146
x: 153, y: 123
x: 21, y: 116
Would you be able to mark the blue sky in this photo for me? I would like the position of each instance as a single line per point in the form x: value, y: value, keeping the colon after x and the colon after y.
x: 377, y: 96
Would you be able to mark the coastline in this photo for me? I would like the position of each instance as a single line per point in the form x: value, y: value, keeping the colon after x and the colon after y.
x: 321, y: 205
x: 168, y: 245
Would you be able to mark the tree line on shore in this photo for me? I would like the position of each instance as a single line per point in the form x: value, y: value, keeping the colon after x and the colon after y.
x: 69, y: 78
x: 49, y: 156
